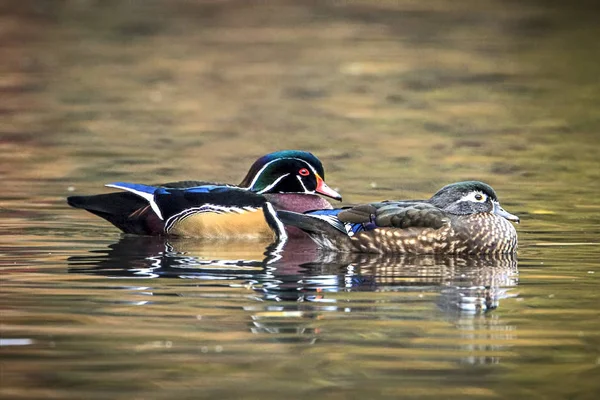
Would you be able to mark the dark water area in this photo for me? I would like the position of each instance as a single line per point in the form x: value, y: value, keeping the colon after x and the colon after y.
x: 397, y: 98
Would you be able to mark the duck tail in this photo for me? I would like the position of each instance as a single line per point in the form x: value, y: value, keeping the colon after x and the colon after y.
x: 321, y: 231
x: 126, y: 211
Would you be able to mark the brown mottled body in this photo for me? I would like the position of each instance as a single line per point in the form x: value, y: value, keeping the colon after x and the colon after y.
x: 460, y: 218
x: 482, y: 233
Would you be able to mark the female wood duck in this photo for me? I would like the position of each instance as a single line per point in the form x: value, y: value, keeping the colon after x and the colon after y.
x: 284, y: 180
x: 463, y: 217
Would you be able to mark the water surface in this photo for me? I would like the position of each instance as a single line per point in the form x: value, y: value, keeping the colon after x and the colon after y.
x: 397, y: 99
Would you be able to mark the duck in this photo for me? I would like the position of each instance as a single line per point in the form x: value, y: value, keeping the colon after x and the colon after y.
x: 460, y: 218
x: 288, y: 180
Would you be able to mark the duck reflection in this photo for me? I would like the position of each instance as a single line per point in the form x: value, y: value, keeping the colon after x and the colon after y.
x: 300, y: 294
x: 302, y: 273
x: 153, y: 257
x: 466, y: 284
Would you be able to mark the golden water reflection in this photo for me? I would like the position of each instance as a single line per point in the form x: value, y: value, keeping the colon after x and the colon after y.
x: 295, y: 287
x: 397, y: 98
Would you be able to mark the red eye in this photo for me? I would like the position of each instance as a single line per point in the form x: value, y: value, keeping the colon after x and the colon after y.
x: 303, y: 172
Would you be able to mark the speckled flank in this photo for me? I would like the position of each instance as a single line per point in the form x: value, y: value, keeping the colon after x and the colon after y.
x: 482, y: 233
x: 486, y: 233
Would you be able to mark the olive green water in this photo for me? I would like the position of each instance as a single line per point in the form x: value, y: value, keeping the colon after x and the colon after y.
x: 397, y: 98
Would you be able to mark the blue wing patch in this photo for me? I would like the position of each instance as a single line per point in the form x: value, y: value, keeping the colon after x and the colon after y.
x: 204, y: 189
x: 332, y: 212
x: 198, y: 189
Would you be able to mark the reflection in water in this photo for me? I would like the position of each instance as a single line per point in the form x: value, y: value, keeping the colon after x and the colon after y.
x: 397, y: 97
x: 466, y: 284
x: 302, y: 283
x: 152, y: 257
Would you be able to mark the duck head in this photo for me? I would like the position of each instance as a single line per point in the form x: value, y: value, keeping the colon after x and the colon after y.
x: 470, y: 197
x: 288, y: 171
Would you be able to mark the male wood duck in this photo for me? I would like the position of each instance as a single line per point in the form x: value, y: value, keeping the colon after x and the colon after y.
x: 461, y: 218
x: 284, y: 180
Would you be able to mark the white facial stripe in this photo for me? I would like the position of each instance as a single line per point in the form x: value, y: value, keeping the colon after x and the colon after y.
x: 258, y: 174
x: 272, y: 185
x: 471, y: 197
x: 304, y: 187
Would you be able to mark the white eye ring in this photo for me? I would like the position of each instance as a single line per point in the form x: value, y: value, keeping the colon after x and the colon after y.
x: 475, y: 197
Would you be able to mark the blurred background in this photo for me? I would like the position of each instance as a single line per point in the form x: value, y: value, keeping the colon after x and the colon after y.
x: 396, y: 97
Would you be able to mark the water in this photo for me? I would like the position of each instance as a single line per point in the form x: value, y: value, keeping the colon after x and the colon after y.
x: 397, y: 99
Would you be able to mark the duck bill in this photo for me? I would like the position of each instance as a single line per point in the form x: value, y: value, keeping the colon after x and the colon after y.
x: 505, y: 214
x: 325, y: 190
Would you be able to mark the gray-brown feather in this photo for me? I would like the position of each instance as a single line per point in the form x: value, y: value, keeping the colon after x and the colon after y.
x: 461, y: 218
x: 361, y: 214
x: 480, y: 233
x: 416, y: 215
